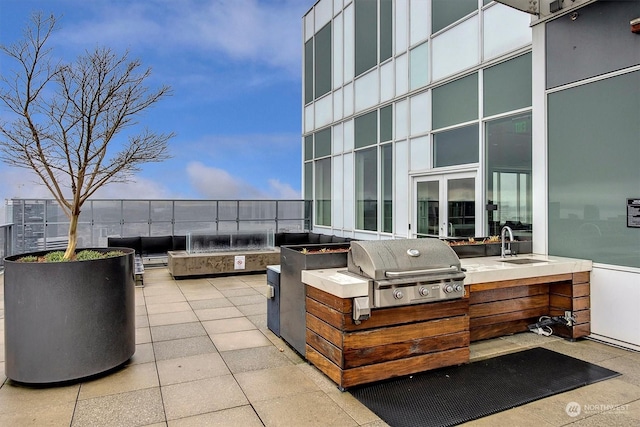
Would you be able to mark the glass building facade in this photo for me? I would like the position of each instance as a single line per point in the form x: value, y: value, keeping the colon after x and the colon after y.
x: 408, y: 95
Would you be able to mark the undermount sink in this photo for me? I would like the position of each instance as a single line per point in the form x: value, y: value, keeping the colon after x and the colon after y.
x: 523, y: 261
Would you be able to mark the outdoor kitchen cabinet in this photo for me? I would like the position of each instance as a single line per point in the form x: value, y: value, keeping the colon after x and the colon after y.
x: 393, y: 342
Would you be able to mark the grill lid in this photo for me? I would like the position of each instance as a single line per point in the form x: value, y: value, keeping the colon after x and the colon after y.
x: 403, y: 258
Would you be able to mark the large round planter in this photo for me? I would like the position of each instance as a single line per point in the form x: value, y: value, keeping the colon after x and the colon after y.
x: 68, y: 320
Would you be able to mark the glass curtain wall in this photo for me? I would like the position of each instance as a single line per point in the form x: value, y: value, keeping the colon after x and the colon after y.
x: 508, y: 146
x: 373, y: 33
x: 366, y: 173
x: 508, y: 187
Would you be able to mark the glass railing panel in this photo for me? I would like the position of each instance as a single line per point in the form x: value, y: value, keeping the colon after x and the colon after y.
x: 195, y: 210
x: 161, y: 229
x: 135, y: 211
x: 256, y: 209
x: 135, y: 229
x: 292, y: 226
x: 106, y: 211
x: 293, y: 209
x: 227, y: 210
x: 182, y: 228
x: 161, y: 210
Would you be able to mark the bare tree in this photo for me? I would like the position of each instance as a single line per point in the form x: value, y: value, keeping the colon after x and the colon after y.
x: 67, y: 119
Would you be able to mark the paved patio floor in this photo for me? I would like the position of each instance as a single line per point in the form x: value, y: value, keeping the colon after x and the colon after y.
x: 204, y: 357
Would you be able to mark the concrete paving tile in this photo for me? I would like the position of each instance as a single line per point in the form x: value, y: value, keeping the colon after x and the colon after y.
x: 175, y: 296
x: 253, y: 359
x: 321, y: 381
x: 170, y: 307
x: 143, y: 335
x: 194, y: 284
x: 248, y: 300
x: 218, y: 313
x: 259, y: 320
x: 144, y: 354
x: 352, y: 406
x: 161, y: 289
x: 490, y: 348
x: 243, y: 416
x: 521, y: 417
x: 177, y: 331
x: 16, y: 398
x: 610, y: 392
x: 53, y: 415
x: 238, y: 340
x: 529, y: 339
x: 191, y: 368
x: 198, y: 281
x: 303, y: 409
x: 254, y: 279
x: 377, y: 423
x: 253, y: 309
x: 621, y: 416
x: 141, y: 309
x: 142, y: 321
x: 627, y: 366
x: 240, y: 292
x: 273, y: 383
x: 228, y: 325
x: 140, y: 407
x: 585, y: 350
x: 202, y: 396
x: 172, y: 318
x: 203, y: 295
x: 210, y: 303
x: 183, y: 347
x: 131, y: 377
x: 225, y: 283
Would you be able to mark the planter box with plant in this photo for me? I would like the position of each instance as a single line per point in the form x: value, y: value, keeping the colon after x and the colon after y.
x: 71, y: 125
x: 68, y: 320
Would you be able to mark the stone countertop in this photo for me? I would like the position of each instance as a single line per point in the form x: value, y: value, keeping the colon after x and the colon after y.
x: 338, y: 282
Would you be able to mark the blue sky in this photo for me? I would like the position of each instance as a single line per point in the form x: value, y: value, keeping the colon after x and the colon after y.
x: 235, y: 70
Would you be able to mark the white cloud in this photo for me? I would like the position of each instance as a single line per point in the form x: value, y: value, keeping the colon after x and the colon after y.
x: 254, y: 31
x: 137, y: 188
x: 218, y: 184
x: 283, y: 190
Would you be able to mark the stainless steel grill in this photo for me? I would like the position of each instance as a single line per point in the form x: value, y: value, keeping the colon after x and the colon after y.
x: 407, y: 271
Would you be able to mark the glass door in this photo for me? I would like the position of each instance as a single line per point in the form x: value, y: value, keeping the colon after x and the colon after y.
x: 445, y: 205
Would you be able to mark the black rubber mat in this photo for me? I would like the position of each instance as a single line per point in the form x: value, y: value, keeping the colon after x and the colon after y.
x: 451, y: 396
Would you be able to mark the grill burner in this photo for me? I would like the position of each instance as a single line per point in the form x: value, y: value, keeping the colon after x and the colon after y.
x: 402, y: 272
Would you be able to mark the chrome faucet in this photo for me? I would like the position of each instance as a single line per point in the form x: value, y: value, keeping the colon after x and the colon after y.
x: 505, y: 251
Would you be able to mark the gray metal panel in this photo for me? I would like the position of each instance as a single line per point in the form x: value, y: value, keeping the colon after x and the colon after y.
x: 373, y: 258
x: 599, y: 40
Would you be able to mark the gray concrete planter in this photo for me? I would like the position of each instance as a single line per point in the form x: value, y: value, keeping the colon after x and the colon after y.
x: 68, y: 320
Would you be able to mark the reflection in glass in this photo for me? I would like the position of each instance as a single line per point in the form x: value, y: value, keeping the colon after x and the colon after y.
x: 508, y: 193
x: 461, y: 207
x: 428, y: 206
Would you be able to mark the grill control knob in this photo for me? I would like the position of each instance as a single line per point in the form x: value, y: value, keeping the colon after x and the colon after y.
x: 448, y: 289
x: 397, y: 294
x: 458, y: 288
x: 423, y: 291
